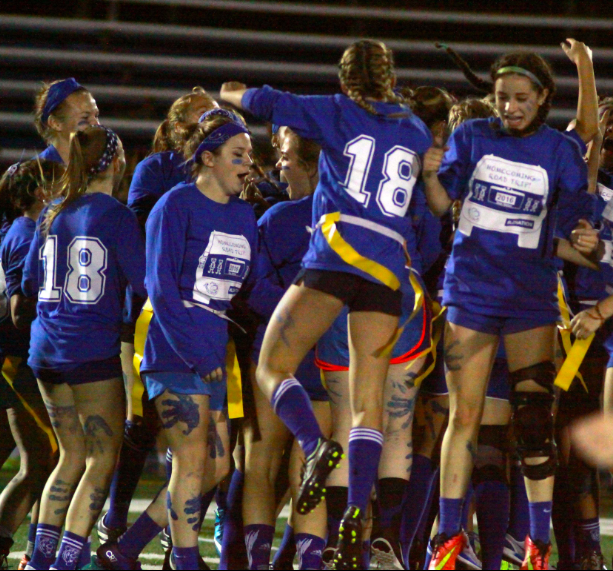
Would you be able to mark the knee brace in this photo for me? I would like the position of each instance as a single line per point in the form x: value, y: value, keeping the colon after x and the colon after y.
x: 532, y: 420
x: 491, y: 457
x: 138, y: 437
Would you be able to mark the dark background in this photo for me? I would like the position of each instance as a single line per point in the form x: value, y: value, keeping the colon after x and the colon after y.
x: 137, y: 57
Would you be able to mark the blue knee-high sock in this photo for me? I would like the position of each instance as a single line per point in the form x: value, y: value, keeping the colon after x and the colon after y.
x: 186, y: 557
x: 45, y: 546
x: 258, y: 541
x: 287, y: 550
x: 31, y: 539
x: 540, y: 520
x: 336, y: 504
x: 366, y: 554
x: 221, y: 498
x: 70, y: 551
x: 309, y: 549
x: 133, y: 541
x: 468, y: 499
x: 365, y: 446
x: 292, y: 405
x: 418, y: 494
x: 86, y: 554
x: 563, y: 519
x: 205, y: 503
x: 519, y: 518
x: 134, y: 451
x: 392, y: 495
x: 493, y: 515
x: 233, y: 553
x: 168, y: 464
x: 450, y: 514
x: 587, y: 532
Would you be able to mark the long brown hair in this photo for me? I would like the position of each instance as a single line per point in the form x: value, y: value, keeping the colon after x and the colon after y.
x: 59, y: 112
x: 367, y: 70
x: 86, y: 151
x: 171, y: 134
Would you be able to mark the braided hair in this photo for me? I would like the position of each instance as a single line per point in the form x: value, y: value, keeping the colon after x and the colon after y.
x: 366, y: 70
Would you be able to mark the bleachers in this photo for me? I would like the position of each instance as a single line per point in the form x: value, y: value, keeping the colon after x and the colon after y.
x: 137, y: 56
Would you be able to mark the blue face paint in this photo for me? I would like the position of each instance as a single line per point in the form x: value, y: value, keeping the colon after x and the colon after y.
x: 237, y: 161
x: 285, y: 168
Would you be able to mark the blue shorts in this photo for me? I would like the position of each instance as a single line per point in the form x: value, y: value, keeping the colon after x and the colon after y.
x: 187, y: 384
x: 83, y: 373
x: 498, y: 325
x: 333, y: 347
x: 308, y: 374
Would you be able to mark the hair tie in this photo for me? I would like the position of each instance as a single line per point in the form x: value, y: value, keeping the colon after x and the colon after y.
x: 12, y: 170
x: 218, y: 137
x: 110, y: 150
x: 57, y: 94
x: 520, y: 71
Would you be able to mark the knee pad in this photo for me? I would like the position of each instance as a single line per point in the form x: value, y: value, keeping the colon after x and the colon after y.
x: 491, y: 457
x: 138, y: 437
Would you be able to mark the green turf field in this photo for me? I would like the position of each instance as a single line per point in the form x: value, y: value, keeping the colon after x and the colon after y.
x: 153, y: 556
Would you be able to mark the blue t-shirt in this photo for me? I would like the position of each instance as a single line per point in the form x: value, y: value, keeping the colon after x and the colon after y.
x: 199, y: 254
x: 368, y: 169
x: 284, y: 234
x: 153, y: 177
x: 13, y: 252
x: 515, y: 193
x: 80, y: 271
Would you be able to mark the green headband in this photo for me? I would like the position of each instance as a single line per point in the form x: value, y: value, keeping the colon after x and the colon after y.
x: 520, y: 71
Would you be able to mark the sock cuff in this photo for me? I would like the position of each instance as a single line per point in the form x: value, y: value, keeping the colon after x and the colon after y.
x: 366, y: 434
x: 73, y: 540
x: 51, y: 531
x: 168, y: 455
x: 285, y: 386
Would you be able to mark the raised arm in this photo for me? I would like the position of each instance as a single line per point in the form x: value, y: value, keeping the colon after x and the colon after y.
x: 232, y: 92
x: 587, y: 107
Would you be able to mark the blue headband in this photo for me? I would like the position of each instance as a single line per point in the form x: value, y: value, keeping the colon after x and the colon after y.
x: 110, y: 150
x: 218, y: 137
x: 57, y: 94
x: 220, y: 113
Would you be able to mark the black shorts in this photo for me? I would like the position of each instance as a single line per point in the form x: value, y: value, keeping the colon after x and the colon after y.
x: 82, y: 374
x: 357, y: 293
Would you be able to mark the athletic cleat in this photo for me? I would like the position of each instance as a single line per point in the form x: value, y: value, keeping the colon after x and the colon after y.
x: 23, y: 563
x: 220, y: 517
x: 318, y: 467
x: 349, y: 550
x: 108, y: 534
x: 514, y: 551
x: 385, y: 556
x: 537, y: 555
x: 468, y: 557
x: 446, y: 550
x: 5, y: 548
x: 591, y: 560
x: 417, y: 554
x: 327, y: 558
x: 109, y: 557
x: 94, y: 565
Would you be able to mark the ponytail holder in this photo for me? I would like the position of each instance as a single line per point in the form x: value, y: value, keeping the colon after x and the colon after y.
x: 57, y: 94
x: 110, y: 150
x: 520, y: 71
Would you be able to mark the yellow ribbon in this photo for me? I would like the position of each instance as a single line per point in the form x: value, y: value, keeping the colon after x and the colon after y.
x: 575, y: 352
x: 436, y: 332
x: 349, y: 255
x: 234, y: 382
x: 9, y: 372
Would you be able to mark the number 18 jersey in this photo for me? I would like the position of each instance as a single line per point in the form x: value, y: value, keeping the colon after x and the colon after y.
x: 368, y: 169
x: 80, y: 271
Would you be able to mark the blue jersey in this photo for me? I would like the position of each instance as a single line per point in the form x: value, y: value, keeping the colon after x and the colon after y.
x: 80, y: 271
x: 154, y: 177
x: 514, y: 191
x: 368, y: 169
x: 199, y: 254
x: 284, y: 233
x: 13, y: 252
x: 51, y: 154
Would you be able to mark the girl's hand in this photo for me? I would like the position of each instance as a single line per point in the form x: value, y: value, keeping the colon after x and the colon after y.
x: 586, y: 323
x: 432, y: 161
x: 576, y: 50
x: 214, y: 376
x: 231, y: 87
x: 584, y: 238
